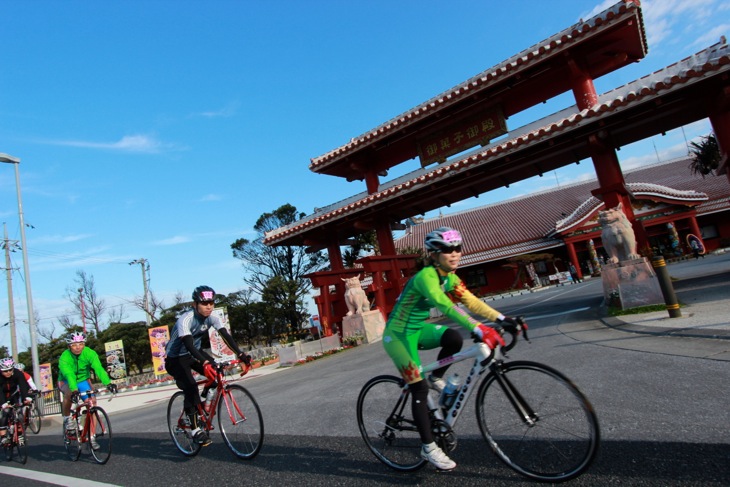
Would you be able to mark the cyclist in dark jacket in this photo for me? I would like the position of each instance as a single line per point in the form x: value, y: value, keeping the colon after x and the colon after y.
x: 183, y: 353
x: 14, y: 389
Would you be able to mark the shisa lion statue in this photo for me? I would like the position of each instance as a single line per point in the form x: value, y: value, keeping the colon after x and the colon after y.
x: 618, y: 237
x: 355, y: 298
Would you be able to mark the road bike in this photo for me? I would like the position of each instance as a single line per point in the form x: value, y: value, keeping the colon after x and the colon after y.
x: 32, y: 414
x: 16, y: 445
x: 239, y: 418
x: 533, y: 417
x: 92, y: 428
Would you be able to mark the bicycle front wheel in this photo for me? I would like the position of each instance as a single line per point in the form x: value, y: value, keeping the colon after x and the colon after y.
x: 19, y: 443
x: 385, y: 419
x: 34, y: 419
x: 537, y: 421
x: 71, y: 441
x: 179, y: 426
x: 240, y: 422
x: 99, y: 434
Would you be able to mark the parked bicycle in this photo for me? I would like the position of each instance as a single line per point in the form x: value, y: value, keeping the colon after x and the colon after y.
x: 534, y: 418
x: 239, y: 417
x: 16, y: 445
x: 92, y: 428
x: 32, y: 415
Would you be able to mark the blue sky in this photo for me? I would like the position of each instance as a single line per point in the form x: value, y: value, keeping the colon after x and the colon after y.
x: 162, y: 130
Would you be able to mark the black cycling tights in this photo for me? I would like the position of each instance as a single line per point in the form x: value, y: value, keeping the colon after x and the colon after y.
x: 451, y: 343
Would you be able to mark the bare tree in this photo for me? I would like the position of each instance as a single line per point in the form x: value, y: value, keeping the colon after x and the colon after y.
x: 83, y: 296
x: 155, y: 306
x: 117, y: 314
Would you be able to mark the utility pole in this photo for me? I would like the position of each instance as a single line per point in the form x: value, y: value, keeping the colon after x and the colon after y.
x: 145, y: 268
x: 11, y: 306
x: 83, y: 310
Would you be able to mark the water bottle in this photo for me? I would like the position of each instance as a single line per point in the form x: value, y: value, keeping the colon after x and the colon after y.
x: 448, y: 395
x: 209, y: 400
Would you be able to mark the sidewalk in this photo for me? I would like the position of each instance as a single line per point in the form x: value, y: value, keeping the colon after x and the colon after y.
x: 703, y: 331
x: 140, y: 398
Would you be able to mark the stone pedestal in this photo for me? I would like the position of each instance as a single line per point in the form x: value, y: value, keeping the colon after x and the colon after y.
x: 370, y: 325
x: 630, y: 284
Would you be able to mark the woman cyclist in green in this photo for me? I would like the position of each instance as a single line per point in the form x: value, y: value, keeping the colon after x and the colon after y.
x: 436, y: 285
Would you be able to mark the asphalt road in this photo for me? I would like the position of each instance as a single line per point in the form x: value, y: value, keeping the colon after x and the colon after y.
x: 663, y: 419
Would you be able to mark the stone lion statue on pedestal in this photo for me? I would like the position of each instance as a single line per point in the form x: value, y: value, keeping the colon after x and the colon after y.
x: 355, y: 298
x: 618, y: 237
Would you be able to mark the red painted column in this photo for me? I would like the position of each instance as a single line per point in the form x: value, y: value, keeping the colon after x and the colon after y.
x: 612, y: 190
x: 573, y: 256
x: 372, y: 181
x: 721, y: 127
x: 695, y: 227
x: 582, y: 84
x: 335, y: 255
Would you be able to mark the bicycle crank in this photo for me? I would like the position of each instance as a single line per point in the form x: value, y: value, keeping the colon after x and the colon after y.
x: 444, y: 435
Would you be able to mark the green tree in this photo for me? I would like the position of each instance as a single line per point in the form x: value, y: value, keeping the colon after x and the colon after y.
x: 287, y: 264
x: 706, y: 156
x: 363, y: 243
x: 249, y: 319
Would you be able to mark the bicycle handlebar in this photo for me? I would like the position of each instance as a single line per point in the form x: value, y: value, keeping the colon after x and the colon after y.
x: 513, y: 330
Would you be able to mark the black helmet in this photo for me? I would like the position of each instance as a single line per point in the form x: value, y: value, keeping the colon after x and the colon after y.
x: 203, y: 293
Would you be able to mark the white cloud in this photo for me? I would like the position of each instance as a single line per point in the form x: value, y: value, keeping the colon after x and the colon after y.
x: 227, y: 111
x: 129, y: 143
x: 211, y: 197
x: 60, y: 239
x: 176, y: 240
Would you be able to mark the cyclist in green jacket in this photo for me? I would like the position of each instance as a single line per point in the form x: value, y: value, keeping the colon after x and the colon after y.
x: 407, y: 331
x: 74, y: 372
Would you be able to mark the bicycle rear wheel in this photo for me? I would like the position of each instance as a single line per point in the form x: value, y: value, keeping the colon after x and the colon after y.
x: 537, y: 421
x: 34, y: 419
x: 240, y: 422
x: 385, y: 419
x: 71, y: 441
x: 100, y: 434
x: 179, y: 426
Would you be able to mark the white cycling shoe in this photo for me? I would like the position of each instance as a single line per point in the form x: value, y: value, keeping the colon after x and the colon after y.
x: 436, y: 457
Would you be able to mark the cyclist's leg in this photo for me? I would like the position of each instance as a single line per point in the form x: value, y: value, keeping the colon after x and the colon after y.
x: 4, y: 437
x: 181, y: 369
x: 86, y: 391
x: 434, y: 336
x: 403, y: 350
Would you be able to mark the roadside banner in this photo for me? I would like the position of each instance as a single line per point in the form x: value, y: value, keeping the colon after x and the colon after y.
x: 159, y: 337
x: 46, y: 378
x: 217, y: 345
x: 116, y: 366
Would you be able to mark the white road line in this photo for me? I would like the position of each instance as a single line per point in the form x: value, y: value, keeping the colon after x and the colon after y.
x: 51, y: 478
x: 567, y: 312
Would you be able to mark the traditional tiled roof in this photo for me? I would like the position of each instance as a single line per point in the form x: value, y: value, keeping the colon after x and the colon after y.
x: 713, y: 61
x: 552, y: 46
x: 529, y: 223
x: 655, y: 192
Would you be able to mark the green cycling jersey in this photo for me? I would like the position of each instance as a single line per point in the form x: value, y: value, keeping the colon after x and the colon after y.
x: 432, y: 287
x: 73, y: 369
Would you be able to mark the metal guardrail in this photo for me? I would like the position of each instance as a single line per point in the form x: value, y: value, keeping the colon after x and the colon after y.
x: 49, y: 402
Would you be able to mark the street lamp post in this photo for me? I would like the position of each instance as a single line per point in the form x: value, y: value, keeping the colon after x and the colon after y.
x: 24, y: 247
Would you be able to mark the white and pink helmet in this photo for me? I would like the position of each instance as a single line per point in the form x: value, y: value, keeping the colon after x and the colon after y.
x: 76, y: 337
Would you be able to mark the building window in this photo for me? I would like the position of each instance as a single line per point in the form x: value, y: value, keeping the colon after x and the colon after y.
x: 710, y: 231
x: 476, y: 278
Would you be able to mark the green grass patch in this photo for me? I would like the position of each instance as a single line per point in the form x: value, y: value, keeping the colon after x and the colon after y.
x: 613, y: 311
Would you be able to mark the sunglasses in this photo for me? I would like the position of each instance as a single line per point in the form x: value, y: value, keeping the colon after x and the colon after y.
x: 207, y: 303
x: 449, y: 250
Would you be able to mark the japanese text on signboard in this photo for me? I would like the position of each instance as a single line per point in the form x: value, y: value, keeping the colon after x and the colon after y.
x: 478, y: 130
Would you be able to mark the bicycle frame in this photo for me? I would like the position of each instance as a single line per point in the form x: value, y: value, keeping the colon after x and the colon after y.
x: 234, y: 411
x: 483, y: 357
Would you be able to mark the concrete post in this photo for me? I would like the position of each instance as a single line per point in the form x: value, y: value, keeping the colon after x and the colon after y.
x: 670, y: 298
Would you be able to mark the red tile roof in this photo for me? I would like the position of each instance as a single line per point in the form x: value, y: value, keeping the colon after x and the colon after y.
x: 712, y: 62
x: 512, y: 67
x: 529, y: 223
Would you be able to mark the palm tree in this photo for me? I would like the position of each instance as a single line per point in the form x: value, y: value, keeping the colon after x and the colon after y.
x: 706, y: 156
